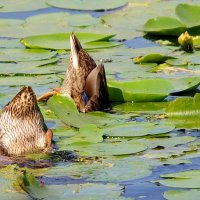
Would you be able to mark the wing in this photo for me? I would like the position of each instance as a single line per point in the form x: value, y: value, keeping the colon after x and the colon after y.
x: 96, y: 90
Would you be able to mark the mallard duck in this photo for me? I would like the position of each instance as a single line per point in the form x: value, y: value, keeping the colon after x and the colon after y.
x: 22, y: 126
x: 84, y: 81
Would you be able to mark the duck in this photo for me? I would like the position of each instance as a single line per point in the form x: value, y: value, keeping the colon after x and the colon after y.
x: 22, y: 126
x: 85, y: 81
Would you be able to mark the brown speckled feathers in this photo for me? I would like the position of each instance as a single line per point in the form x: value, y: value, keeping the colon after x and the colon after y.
x: 81, y: 65
x: 22, y: 126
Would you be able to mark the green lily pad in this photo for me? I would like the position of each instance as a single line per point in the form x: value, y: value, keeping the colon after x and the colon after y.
x: 185, y: 84
x: 143, y: 107
x: 152, y: 58
x: 185, y: 111
x: 65, y: 109
x: 61, y: 40
x: 164, y: 26
x: 11, y: 28
x: 82, y: 20
x: 29, y: 185
x: 167, y: 142
x: 184, y: 107
x: 138, y: 129
x: 21, y: 5
x: 139, y: 90
x: 10, y: 43
x: 189, y: 14
x: 182, y: 194
x: 18, y: 55
x: 87, y: 4
x: 110, y: 170
x: 34, y: 81
x: 106, y: 148
x: 29, y: 68
x: 146, y: 90
x: 184, y: 179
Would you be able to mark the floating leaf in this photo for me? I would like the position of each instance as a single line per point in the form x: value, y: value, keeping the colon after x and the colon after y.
x: 182, y: 194
x: 65, y: 109
x: 138, y: 129
x: 185, y: 84
x: 109, y: 170
x: 21, y: 5
x: 139, y: 90
x: 18, y: 55
x: 152, y: 58
x: 28, y: 184
x: 106, y: 148
x: 167, y: 142
x: 145, y: 90
x: 189, y: 14
x: 184, y: 179
x: 61, y: 40
x: 164, y: 26
x: 143, y: 107
x: 185, y: 111
x: 29, y: 68
x: 87, y: 4
x: 10, y: 43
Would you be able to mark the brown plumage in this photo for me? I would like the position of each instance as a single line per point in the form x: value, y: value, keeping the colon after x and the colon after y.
x: 22, y: 126
x: 83, y: 78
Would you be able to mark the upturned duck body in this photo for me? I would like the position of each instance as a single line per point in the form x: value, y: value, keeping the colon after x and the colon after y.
x: 84, y: 81
x: 22, y: 126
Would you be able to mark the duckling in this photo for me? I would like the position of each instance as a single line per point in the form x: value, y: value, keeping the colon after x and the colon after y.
x: 22, y: 126
x: 84, y: 81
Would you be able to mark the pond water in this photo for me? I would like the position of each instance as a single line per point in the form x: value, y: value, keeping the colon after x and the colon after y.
x: 170, y: 149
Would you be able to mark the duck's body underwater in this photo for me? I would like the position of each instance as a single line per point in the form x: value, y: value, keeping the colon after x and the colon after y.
x: 84, y: 82
x: 22, y: 126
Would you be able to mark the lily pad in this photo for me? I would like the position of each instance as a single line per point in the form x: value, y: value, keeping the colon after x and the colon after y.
x: 61, y: 40
x: 152, y: 58
x: 182, y: 194
x: 138, y: 129
x: 189, y: 14
x: 10, y: 43
x: 142, y: 107
x: 29, y: 185
x: 139, y: 90
x: 29, y: 68
x: 109, y: 170
x: 18, y: 55
x: 185, y: 111
x: 21, y: 5
x: 65, y: 109
x: 87, y: 4
x: 106, y: 148
x: 146, y: 90
x: 184, y: 179
x: 11, y: 28
x: 164, y: 26
x: 185, y: 107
